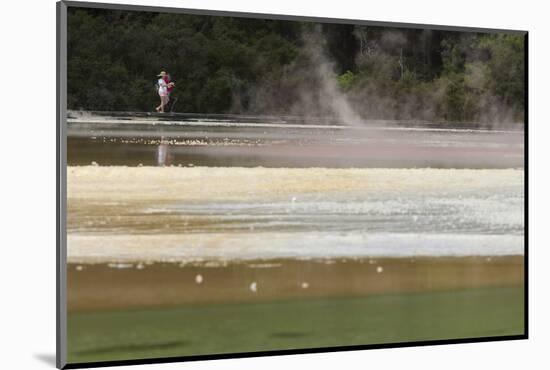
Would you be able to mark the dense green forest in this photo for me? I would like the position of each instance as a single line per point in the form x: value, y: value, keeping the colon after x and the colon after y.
x: 255, y: 66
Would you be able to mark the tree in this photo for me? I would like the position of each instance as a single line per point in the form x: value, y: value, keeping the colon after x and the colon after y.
x: 244, y: 65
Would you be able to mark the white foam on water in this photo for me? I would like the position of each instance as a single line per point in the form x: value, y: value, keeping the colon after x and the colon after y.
x: 199, y: 214
x: 233, y: 246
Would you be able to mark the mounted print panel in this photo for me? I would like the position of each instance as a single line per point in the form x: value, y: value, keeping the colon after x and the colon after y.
x: 238, y: 184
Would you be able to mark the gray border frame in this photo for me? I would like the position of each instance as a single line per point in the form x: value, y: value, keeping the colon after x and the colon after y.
x: 61, y: 185
x: 160, y: 9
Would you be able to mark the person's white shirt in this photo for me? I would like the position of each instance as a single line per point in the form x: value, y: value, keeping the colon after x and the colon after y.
x: 163, y: 87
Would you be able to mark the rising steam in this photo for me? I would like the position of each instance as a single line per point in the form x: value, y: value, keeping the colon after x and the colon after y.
x: 308, y: 87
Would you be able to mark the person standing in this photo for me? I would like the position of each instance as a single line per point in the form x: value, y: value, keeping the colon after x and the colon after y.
x: 163, y: 92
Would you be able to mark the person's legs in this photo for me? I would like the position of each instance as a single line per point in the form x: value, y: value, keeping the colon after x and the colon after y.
x: 160, y: 105
x: 168, y: 103
x: 163, y: 102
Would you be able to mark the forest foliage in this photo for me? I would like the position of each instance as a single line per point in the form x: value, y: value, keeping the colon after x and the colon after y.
x: 275, y: 67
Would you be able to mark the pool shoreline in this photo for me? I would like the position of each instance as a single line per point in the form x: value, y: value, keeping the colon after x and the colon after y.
x: 97, y: 287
